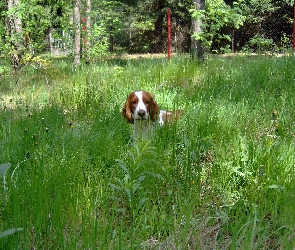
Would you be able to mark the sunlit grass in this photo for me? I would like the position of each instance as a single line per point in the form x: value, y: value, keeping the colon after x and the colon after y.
x: 221, y: 177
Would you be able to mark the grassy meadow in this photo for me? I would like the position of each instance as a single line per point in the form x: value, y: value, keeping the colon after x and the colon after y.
x: 222, y: 177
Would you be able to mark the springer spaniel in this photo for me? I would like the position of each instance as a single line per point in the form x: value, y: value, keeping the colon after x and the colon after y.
x: 142, y: 110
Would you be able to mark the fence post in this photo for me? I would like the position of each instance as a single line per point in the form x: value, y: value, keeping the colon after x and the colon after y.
x: 84, y: 30
x: 169, y: 33
x: 294, y: 27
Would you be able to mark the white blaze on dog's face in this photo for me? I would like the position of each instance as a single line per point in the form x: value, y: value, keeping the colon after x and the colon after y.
x: 140, y: 105
x: 141, y: 108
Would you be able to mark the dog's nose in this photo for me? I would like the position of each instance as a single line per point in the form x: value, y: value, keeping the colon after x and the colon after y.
x: 141, y: 113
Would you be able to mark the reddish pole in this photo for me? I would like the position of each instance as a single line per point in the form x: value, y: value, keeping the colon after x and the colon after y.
x: 294, y: 28
x: 84, y: 29
x: 169, y: 33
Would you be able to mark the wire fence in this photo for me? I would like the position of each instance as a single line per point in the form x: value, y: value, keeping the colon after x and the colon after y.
x: 269, y: 31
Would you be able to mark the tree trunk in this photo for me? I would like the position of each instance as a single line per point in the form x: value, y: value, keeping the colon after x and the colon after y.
x: 77, y: 25
x: 88, y: 22
x: 15, y: 34
x: 197, y: 48
x: 50, y: 41
x: 159, y: 37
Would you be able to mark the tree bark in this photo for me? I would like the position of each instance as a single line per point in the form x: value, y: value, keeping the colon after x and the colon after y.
x: 50, y: 41
x: 15, y: 34
x: 77, y: 25
x: 88, y: 22
x: 159, y: 37
x: 197, y: 48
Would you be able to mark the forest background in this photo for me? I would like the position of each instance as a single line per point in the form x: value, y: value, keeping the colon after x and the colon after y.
x: 90, y: 28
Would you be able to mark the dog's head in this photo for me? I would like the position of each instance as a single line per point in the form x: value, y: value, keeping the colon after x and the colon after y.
x: 140, y: 105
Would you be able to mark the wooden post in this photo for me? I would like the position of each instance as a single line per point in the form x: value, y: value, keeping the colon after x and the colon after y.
x: 169, y: 33
x: 83, y: 19
x: 294, y: 27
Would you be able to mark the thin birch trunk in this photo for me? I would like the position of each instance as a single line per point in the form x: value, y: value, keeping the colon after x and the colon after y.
x: 77, y: 25
x: 88, y: 23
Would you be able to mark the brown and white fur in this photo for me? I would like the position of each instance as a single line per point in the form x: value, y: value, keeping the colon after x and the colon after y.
x: 142, y: 110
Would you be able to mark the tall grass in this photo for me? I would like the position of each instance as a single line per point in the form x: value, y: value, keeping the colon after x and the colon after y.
x: 221, y: 177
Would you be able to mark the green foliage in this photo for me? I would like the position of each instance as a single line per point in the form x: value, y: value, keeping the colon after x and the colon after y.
x: 100, y: 42
x: 246, y: 24
x: 107, y: 21
x: 261, y: 44
x: 38, y: 18
x: 285, y: 42
x: 144, y: 26
x: 45, y: 16
x: 216, y: 16
x: 141, y: 26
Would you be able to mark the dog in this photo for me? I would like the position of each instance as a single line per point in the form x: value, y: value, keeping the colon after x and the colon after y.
x: 142, y: 110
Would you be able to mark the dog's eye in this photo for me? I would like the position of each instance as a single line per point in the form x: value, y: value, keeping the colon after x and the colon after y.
x: 147, y: 102
x: 133, y: 102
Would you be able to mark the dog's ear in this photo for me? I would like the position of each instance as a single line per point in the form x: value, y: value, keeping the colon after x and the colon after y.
x: 154, y: 109
x: 126, y: 113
